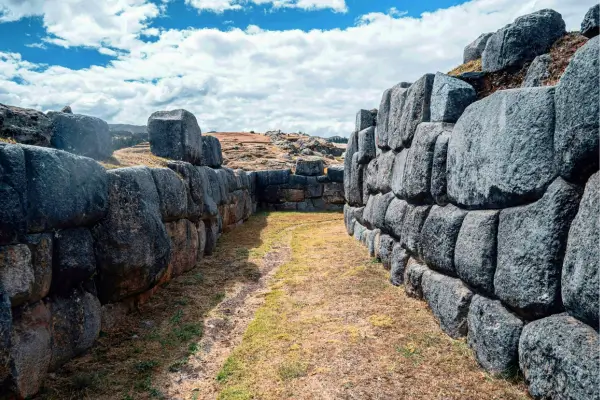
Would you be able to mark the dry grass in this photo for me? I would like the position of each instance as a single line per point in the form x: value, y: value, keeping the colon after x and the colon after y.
x: 133, y: 156
x: 561, y: 53
x: 471, y: 66
x: 8, y: 140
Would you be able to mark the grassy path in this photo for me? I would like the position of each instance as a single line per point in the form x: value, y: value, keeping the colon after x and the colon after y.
x: 290, y: 307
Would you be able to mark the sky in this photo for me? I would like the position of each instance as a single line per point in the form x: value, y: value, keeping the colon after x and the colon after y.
x: 238, y: 65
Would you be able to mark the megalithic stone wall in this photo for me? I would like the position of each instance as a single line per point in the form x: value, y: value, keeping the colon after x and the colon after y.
x: 489, y: 211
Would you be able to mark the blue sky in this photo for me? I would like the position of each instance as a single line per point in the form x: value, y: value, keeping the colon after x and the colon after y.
x: 238, y: 64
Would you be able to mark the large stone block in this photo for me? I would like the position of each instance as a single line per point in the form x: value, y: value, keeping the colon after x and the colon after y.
x: 172, y: 193
x: 531, y: 245
x: 580, y: 281
x: 74, y: 259
x: 365, y: 119
x: 353, y: 184
x: 383, y: 116
x: 397, y: 101
x: 386, y: 246
x: 590, y: 26
x: 212, y: 235
x: 195, y: 182
x: 474, y: 50
x: 385, y: 170
x: 132, y: 246
x: 13, y: 193
x: 184, y: 246
x: 358, y: 230
x: 398, y: 264
x: 527, y: 37
x: 313, y: 188
x: 314, y: 167
x: 370, y: 176
x: 413, y: 275
x: 419, y: 161
x: 76, y: 321
x: 438, y: 169
x: 493, y: 335
x: 398, y: 184
x: 475, y: 250
x: 416, y: 109
x: 559, y: 358
x: 212, y: 156
x: 64, y: 190
x: 439, y: 235
x: 501, y: 150
x: 333, y: 193
x: 41, y: 247
x: 25, y: 125
x: 394, y: 217
x: 449, y: 98
x: 201, y: 228
x: 411, y: 228
x: 335, y: 173
x: 577, y: 115
x: 449, y: 300
x: 349, y: 219
x: 366, y: 145
x: 81, y: 134
x: 538, y: 71
x: 375, y: 210
x: 5, y: 334
x: 373, y: 241
x: 17, y: 276
x: 176, y: 135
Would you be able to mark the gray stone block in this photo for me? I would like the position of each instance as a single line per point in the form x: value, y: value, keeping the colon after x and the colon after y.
x: 559, y: 358
x: 13, y: 193
x: 449, y: 300
x: 25, y: 125
x: 195, y: 183
x: 411, y: 228
x: 175, y: 135
x: 475, y: 251
x: 81, y: 134
x: 365, y: 119
x: 183, y: 235
x: 527, y: 37
x: 416, y: 109
x: 375, y: 210
x: 366, y: 145
x: 41, y: 247
x: 531, y: 246
x: 313, y: 188
x: 383, y: 116
x: 310, y: 167
x: 438, y: 170
x: 373, y: 241
x: 212, y: 235
x: 413, y: 274
x: 349, y: 219
x: 74, y: 259
x: 358, y: 230
x: 370, y: 176
x: 353, y: 186
x: 385, y: 165
x: 333, y: 193
x: 5, y: 334
x: 397, y: 101
x: 398, y: 185
x: 439, y: 235
x: 17, y: 276
x: 580, y: 281
x: 386, y: 246
x: 398, y: 264
x: 474, y: 50
x: 172, y: 194
x: 577, y: 115
x: 212, y: 156
x: 449, y: 98
x: 351, y: 148
x: 590, y: 26
x: 501, y: 152
x: 394, y: 217
x: 493, y: 335
x: 335, y: 173
x: 538, y: 71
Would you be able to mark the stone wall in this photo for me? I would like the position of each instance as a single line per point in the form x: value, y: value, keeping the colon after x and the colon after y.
x: 488, y: 210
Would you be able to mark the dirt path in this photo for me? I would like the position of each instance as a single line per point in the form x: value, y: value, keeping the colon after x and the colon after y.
x: 290, y: 308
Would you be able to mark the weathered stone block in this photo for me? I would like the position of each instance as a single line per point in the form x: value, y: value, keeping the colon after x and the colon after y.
x: 394, y: 127
x: 398, y: 185
x: 201, y: 229
x: 212, y: 155
x: 310, y: 167
x: 172, y: 194
x: 349, y: 219
x: 383, y: 115
x: 374, y: 214
x: 531, y: 245
x: 590, y: 26
x: 385, y: 169
x: 538, y: 71
x: 74, y: 259
x: 16, y: 273
x: 416, y: 108
x: 212, y: 235
x: 335, y: 173
x: 212, y: 193
x: 438, y: 169
x: 413, y: 274
x: 313, y: 188
x: 5, y: 334
x: 474, y: 50
x: 41, y: 248
x: 370, y: 176
x: 366, y: 145
x: 386, y: 246
x: 353, y: 185
x: 373, y: 241
x: 358, y: 230
x: 333, y: 193
x: 439, y: 235
x: 449, y: 98
x: 195, y: 183
x: 411, y: 228
x: 175, y: 135
x: 25, y: 125
x: 399, y: 260
x: 81, y: 134
x: 365, y: 119
x: 394, y: 217
x: 184, y: 246
x: 13, y: 193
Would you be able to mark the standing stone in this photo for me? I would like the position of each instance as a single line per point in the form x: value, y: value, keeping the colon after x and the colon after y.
x: 438, y: 169
x: 74, y: 259
x: 175, y: 135
x: 559, y: 358
x: 386, y: 245
x: 385, y: 170
x: 351, y: 148
x: 501, y: 150
x: 365, y: 119
x: 394, y: 217
x: 25, y: 125
x: 81, y: 134
x: 449, y: 98
x: 416, y: 108
x: 132, y: 246
x: 212, y: 156
x: 474, y: 50
x: 383, y: 116
x: 538, y: 72
x: 577, y: 115
x: 41, y: 247
x: 366, y: 145
x: 494, y: 336
x: 398, y: 185
x: 16, y: 273
x: 413, y: 275
x: 397, y: 100
x: 13, y: 193
x: 172, y: 194
x: 475, y: 251
x: 310, y: 167
x: 354, y: 190
x: 398, y: 264
x: 439, y: 235
x: 590, y: 26
x: 419, y: 161
x: 531, y: 245
x: 527, y: 37
x: 580, y: 281
x: 449, y: 300
x: 184, y: 246
x: 411, y: 228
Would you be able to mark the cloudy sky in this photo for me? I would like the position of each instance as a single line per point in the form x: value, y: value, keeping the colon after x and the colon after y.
x: 294, y: 65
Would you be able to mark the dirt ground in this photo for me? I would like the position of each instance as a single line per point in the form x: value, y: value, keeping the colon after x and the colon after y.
x: 290, y: 307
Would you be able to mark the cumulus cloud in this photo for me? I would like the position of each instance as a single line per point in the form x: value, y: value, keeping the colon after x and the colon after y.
x: 219, y: 6
x: 257, y: 79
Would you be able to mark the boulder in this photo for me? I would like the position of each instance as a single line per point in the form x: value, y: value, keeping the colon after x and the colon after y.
x: 172, y: 194
x: 494, y: 335
x: 413, y: 274
x: 449, y: 98
x: 370, y: 178
x: 397, y: 101
x: 438, y: 169
x: 398, y: 264
x: 66, y: 110
x: 439, y: 235
x: 176, y: 135
x: 25, y: 125
x: 474, y: 50
x: 81, y: 134
x: 416, y: 109
x: 74, y: 259
x: 394, y: 217
x: 335, y: 173
x: 475, y: 250
x: 411, y: 228
x: 582, y: 258
x: 17, y: 276
x: 13, y: 193
x: 195, y: 184
x: 212, y: 235
x: 30, y: 350
x: 365, y: 119
x: 212, y: 155
x: 449, y: 300
x: 385, y: 169
x: 419, y: 161
x: 531, y: 246
x: 501, y: 150
x: 538, y: 72
x: 133, y: 248
x: 366, y: 145
x: 313, y: 167
x: 374, y: 214
x: 184, y: 246
x: 386, y: 245
x: 559, y: 358
x: 41, y: 248
x: 577, y: 115
x: 383, y: 116
x: 333, y: 193
x: 64, y: 190
x: 590, y: 26
x: 76, y: 321
x: 527, y: 37
x: 398, y: 185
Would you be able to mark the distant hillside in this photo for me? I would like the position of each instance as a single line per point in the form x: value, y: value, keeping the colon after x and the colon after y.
x: 128, y: 128
x: 337, y: 139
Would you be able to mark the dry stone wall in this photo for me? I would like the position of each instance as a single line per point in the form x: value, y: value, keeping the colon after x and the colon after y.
x: 488, y: 210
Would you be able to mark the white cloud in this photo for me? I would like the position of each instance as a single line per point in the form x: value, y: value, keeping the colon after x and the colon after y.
x: 256, y: 79
x: 218, y: 6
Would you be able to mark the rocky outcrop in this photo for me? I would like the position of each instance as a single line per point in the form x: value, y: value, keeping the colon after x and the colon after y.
x: 25, y: 126
x: 176, y: 135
